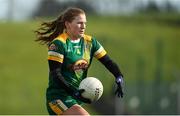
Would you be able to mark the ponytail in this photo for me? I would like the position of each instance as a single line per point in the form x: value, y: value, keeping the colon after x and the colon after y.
x: 50, y: 30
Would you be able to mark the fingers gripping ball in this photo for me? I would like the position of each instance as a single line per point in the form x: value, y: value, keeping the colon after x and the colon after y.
x: 93, y: 88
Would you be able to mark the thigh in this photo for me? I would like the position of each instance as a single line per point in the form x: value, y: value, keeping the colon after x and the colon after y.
x: 76, y: 110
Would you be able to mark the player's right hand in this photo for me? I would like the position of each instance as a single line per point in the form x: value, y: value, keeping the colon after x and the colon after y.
x: 78, y: 95
x: 119, y: 91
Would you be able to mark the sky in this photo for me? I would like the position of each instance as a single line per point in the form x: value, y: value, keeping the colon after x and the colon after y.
x: 24, y: 8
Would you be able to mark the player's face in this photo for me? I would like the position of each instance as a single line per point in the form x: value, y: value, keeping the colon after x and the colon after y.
x: 77, y: 27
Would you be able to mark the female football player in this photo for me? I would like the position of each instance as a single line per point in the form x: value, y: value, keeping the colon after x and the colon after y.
x: 70, y: 52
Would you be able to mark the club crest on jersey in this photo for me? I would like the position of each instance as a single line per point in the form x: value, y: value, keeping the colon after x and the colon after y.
x: 88, y: 45
x: 52, y: 47
x: 80, y: 65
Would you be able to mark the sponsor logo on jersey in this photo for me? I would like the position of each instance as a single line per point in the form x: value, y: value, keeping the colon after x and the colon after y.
x: 80, y: 65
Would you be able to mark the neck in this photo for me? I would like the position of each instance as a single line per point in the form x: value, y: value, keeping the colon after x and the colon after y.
x: 73, y: 37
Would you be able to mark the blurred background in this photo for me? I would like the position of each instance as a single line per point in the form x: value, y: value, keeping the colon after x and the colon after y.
x: 141, y: 36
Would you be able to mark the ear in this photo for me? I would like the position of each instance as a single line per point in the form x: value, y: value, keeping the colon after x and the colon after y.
x: 67, y: 24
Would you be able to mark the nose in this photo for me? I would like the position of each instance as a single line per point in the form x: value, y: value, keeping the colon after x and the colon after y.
x: 83, y: 26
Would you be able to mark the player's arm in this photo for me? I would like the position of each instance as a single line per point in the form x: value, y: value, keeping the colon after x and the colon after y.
x: 55, y: 72
x: 114, y: 69
x: 55, y: 60
x: 110, y: 65
x: 102, y: 56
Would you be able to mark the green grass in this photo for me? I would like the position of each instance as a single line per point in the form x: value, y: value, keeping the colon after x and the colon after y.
x: 24, y: 69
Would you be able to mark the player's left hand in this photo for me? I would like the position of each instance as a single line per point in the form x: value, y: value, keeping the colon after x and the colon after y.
x: 78, y: 95
x: 119, y: 91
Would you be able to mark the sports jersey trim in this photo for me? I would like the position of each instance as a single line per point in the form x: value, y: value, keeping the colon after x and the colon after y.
x: 87, y: 37
x: 100, y: 53
x: 63, y: 37
x: 56, y: 54
x: 54, y: 58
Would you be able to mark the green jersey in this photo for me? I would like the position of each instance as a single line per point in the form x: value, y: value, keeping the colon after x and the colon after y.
x: 75, y: 56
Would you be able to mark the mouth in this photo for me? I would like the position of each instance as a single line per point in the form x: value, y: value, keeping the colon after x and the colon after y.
x: 81, y: 32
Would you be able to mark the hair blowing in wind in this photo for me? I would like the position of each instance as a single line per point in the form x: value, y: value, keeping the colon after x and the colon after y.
x: 50, y: 30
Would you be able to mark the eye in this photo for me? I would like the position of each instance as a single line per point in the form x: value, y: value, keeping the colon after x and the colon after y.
x: 82, y: 23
